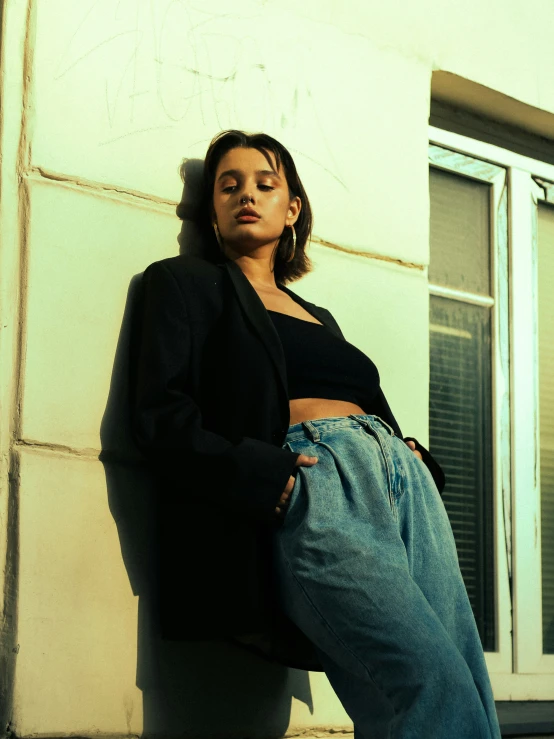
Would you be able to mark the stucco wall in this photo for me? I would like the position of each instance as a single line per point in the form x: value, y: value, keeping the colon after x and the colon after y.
x: 102, y: 101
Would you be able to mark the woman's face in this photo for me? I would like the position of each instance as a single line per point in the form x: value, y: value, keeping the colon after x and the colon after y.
x: 244, y: 179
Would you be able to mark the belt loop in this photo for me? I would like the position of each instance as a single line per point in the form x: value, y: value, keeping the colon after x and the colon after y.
x: 364, y: 422
x: 311, y: 430
x: 391, y: 430
x: 361, y: 421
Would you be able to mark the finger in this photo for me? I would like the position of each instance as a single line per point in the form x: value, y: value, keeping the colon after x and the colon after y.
x: 290, y: 485
x: 416, y: 451
x: 305, y: 461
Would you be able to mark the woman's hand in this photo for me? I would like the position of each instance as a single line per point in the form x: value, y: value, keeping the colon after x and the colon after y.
x: 304, y: 461
x: 412, y: 446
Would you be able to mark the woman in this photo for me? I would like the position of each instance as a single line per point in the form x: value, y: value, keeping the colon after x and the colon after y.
x: 301, y: 522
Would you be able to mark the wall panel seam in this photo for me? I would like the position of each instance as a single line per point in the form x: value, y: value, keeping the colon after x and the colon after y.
x: 114, y: 192
x: 154, y: 203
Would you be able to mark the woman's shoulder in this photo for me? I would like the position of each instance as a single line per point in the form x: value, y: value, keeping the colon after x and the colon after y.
x: 185, y: 265
x: 198, y: 282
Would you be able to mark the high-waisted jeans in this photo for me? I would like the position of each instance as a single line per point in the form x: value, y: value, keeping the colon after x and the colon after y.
x: 367, y: 568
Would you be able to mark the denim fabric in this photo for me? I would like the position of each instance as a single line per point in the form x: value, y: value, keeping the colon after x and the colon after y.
x: 366, y: 566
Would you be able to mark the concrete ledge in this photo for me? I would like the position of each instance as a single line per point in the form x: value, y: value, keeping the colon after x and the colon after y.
x: 526, y: 718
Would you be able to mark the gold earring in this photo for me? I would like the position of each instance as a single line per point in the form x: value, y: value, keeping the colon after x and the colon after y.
x: 293, y: 244
x: 218, y: 236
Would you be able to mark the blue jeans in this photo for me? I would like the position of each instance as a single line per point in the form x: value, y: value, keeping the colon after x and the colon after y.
x: 366, y: 566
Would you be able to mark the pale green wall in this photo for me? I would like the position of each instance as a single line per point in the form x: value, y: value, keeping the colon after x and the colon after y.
x: 102, y: 101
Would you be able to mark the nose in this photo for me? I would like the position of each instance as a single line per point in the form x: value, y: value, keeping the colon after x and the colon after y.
x: 246, y: 197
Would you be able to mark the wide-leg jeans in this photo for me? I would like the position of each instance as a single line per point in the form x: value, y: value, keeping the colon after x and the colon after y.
x: 366, y: 566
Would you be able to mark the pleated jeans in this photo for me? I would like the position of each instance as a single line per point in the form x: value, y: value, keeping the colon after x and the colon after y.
x: 366, y: 566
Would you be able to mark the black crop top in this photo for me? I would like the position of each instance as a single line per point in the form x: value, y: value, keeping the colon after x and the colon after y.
x: 322, y: 365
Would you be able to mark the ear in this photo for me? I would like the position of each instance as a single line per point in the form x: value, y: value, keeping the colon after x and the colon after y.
x: 295, y: 206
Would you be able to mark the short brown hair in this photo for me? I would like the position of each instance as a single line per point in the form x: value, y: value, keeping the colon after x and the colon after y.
x: 225, y: 141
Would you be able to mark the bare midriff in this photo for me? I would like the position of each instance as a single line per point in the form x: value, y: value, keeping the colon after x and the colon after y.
x: 308, y: 409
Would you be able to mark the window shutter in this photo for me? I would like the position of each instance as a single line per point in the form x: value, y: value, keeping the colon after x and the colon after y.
x: 460, y: 392
x: 546, y: 412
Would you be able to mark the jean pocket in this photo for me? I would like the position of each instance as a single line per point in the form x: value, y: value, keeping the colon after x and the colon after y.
x: 294, y: 492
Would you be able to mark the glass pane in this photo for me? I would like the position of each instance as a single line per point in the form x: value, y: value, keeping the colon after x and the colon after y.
x: 461, y: 440
x: 460, y: 232
x: 546, y: 411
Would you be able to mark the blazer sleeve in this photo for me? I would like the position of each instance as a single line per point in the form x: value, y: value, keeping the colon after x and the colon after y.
x: 247, y: 475
x: 384, y: 411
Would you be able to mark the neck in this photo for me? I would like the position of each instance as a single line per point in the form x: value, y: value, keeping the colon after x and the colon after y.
x: 258, y: 272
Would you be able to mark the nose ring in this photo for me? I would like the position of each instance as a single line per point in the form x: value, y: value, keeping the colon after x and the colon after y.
x: 245, y: 199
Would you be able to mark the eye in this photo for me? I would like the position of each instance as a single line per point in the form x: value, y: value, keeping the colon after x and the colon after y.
x: 266, y: 188
x: 229, y: 188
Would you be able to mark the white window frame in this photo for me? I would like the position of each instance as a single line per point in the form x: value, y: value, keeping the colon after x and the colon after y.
x: 496, y: 177
x: 518, y: 669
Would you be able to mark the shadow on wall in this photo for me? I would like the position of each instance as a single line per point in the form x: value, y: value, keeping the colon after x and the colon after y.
x: 190, y: 689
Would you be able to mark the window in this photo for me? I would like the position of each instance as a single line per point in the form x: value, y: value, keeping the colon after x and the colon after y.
x: 491, y: 394
x: 465, y: 195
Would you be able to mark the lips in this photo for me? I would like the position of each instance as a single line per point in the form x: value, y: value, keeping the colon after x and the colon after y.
x: 247, y: 215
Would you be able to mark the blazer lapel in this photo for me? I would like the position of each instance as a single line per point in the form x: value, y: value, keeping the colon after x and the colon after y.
x: 256, y: 314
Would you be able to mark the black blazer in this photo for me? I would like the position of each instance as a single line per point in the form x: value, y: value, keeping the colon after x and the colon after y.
x: 211, y: 413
